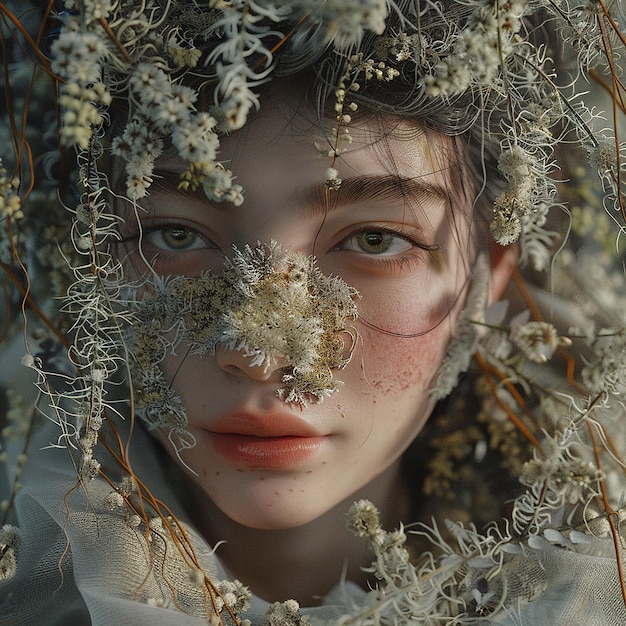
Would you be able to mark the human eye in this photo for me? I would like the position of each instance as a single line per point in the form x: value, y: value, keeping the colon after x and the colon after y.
x: 385, y: 241
x: 171, y: 247
x: 384, y: 249
x: 174, y: 238
x: 377, y: 241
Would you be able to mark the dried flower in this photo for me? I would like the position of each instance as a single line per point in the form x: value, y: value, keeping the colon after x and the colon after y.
x: 269, y: 304
x: 234, y: 595
x: 9, y: 544
x: 363, y: 519
x: 285, y: 614
x: 538, y: 340
x: 10, y: 203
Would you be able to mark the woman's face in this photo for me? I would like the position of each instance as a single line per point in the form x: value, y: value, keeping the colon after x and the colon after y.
x: 388, y: 232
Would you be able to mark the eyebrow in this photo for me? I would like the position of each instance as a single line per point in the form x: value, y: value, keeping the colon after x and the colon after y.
x: 319, y: 199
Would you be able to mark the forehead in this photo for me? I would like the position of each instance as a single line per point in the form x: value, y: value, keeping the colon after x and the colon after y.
x: 284, y: 150
x: 363, y: 146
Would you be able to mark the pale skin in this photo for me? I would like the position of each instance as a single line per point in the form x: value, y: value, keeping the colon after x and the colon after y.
x: 388, y: 233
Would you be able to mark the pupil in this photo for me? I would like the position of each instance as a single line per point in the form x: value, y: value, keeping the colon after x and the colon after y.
x: 373, y: 239
x: 178, y: 237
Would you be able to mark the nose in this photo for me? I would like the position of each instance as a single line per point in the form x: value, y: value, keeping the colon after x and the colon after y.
x: 235, y: 362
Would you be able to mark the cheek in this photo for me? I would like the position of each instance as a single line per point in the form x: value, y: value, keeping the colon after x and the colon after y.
x: 395, y: 366
x: 190, y: 375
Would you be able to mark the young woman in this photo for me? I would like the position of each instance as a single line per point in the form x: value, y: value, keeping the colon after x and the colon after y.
x: 291, y: 230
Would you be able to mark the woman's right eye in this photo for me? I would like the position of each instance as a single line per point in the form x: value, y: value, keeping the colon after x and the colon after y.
x: 174, y: 238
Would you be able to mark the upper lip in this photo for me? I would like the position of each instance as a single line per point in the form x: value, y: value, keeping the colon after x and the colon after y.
x: 263, y: 425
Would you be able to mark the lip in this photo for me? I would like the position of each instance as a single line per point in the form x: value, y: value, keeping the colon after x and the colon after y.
x: 264, y: 441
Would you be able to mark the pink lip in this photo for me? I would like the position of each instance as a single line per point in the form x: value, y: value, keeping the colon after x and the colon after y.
x: 270, y: 441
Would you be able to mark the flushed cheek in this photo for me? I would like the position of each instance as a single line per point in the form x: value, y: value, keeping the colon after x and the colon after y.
x: 395, y: 366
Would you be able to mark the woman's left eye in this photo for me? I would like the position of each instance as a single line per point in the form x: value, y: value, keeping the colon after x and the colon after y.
x: 175, y: 238
x: 377, y: 241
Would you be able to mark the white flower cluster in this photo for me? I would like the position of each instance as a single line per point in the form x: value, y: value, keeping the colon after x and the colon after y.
x: 164, y: 109
x: 232, y: 594
x: 478, y: 52
x: 285, y: 614
x: 10, y: 202
x: 78, y: 59
x: 558, y: 475
x: 174, y: 57
x: 155, y: 401
x: 521, y: 210
x: 474, y: 574
x: 274, y: 306
x: 183, y: 56
x: 148, y: 63
x: 346, y: 21
x: 607, y: 155
x: 442, y: 587
x: 522, y: 339
x: 91, y: 10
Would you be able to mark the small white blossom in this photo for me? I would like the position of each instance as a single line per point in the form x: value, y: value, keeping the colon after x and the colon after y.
x: 505, y: 228
x: 331, y: 178
x: 602, y: 156
x: 537, y: 340
x: 196, y: 140
x: 114, y: 500
x: 183, y: 56
x: 363, y: 519
x: 78, y: 56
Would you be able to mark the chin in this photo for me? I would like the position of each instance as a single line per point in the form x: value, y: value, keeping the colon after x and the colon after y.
x: 276, y: 512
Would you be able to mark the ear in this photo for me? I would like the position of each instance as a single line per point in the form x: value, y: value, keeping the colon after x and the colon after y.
x: 503, y: 263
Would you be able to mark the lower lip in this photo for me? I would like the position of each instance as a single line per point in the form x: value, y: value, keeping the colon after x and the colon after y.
x: 265, y: 452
